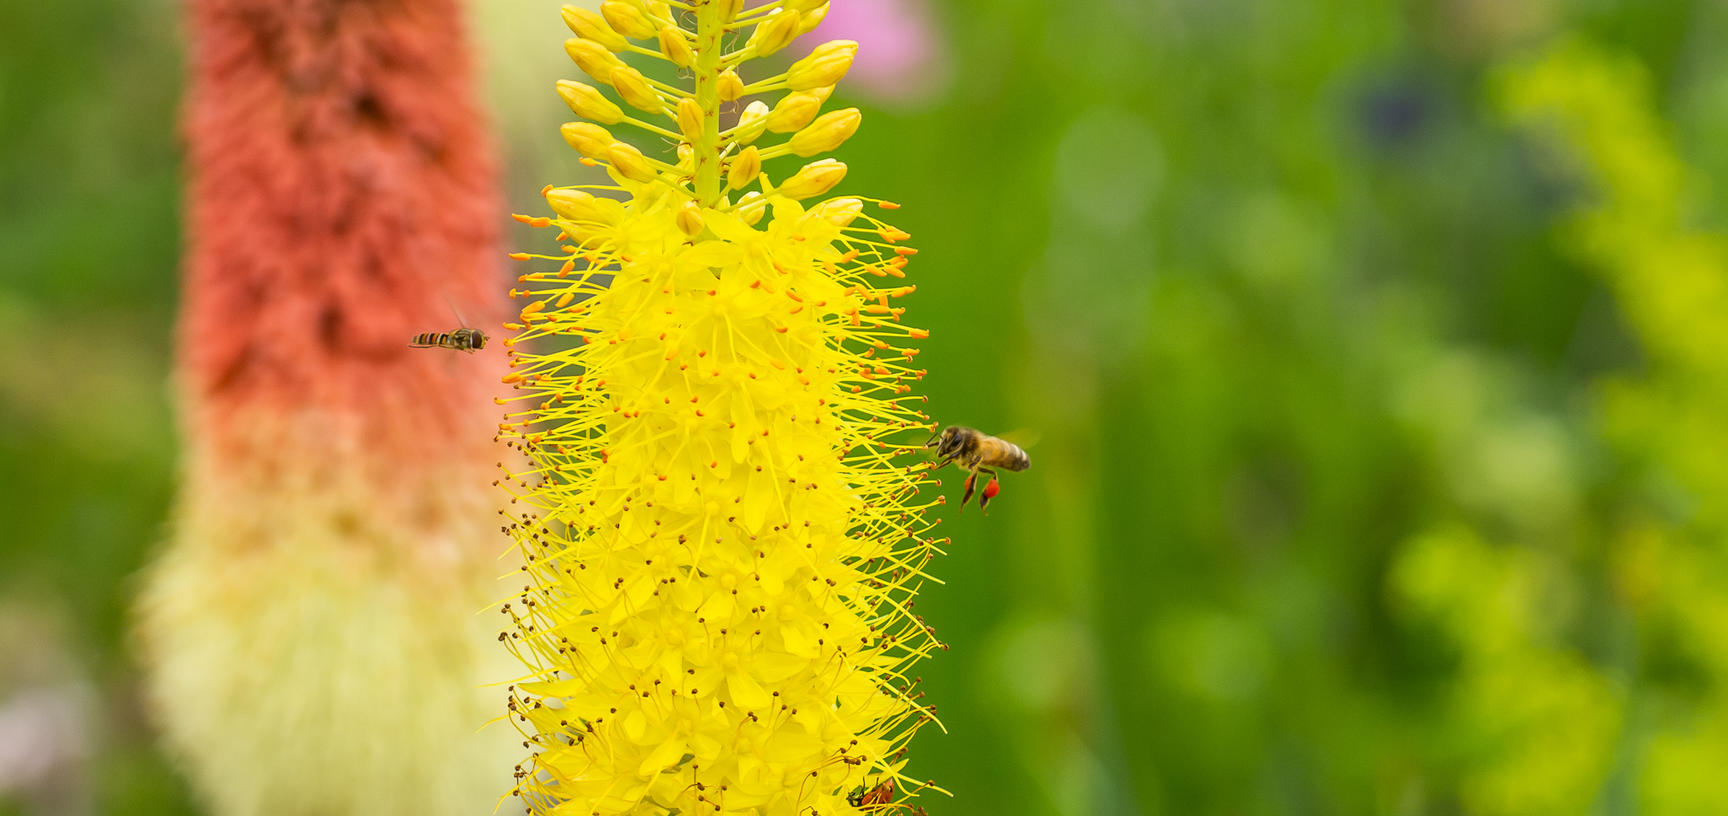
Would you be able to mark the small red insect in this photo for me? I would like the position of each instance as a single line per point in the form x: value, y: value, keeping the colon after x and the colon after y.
x: 872, y: 799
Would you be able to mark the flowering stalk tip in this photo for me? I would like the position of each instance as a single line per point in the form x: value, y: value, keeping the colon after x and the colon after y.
x: 719, y: 516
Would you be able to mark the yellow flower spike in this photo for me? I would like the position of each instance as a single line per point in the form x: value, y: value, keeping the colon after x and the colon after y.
x: 829, y: 131
x: 593, y: 58
x: 627, y: 20
x: 630, y: 162
x: 589, y: 139
x: 794, y: 111
x: 587, y: 102
x: 731, y: 86
x: 589, y: 25
x: 719, y: 506
x: 775, y: 33
x: 751, y: 123
x: 813, y: 179
x: 745, y: 168
x: 826, y: 65
x: 690, y: 119
x: 635, y: 90
x: 675, y: 47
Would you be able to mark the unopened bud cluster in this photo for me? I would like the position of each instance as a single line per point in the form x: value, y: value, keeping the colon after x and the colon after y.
x: 714, y: 395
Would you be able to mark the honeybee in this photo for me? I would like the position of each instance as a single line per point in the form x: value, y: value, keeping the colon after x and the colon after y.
x: 469, y: 340
x: 882, y: 794
x: 977, y: 452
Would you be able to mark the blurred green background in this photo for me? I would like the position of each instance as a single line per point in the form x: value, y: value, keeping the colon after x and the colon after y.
x: 1378, y: 353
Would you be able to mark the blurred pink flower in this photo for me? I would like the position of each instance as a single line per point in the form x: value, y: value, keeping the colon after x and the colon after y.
x: 899, y: 58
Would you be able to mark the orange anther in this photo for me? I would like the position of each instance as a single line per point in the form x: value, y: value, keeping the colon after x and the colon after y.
x: 919, y: 333
x: 519, y: 256
x: 888, y: 205
x: 546, y: 189
x: 905, y: 251
x: 522, y: 218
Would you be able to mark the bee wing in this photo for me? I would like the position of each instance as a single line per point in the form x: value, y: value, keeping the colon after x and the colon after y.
x: 453, y: 310
x: 1024, y: 438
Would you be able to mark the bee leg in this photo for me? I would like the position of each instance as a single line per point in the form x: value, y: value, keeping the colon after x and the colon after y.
x: 990, y: 490
x: 971, y: 482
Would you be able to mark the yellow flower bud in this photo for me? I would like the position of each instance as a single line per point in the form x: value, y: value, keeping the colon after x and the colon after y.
x: 838, y: 211
x: 585, y: 23
x: 627, y: 20
x: 592, y: 58
x: 829, y: 131
x: 775, y: 33
x: 745, y: 168
x: 675, y: 47
x: 589, y: 139
x: 813, y: 179
x: 587, y: 102
x: 631, y: 163
x: 658, y: 10
x: 690, y: 119
x: 825, y: 66
x: 729, y: 9
x: 812, y: 19
x: 730, y: 86
x: 686, y: 156
x: 794, y: 111
x: 752, y: 206
x: 576, y: 205
x: 689, y: 219
x: 802, y: 6
x: 635, y: 89
x: 751, y: 122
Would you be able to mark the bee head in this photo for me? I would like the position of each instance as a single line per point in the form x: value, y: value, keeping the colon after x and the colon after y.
x: 940, y: 439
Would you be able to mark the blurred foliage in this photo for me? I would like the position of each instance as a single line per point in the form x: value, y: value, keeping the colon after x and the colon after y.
x: 1377, y: 352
